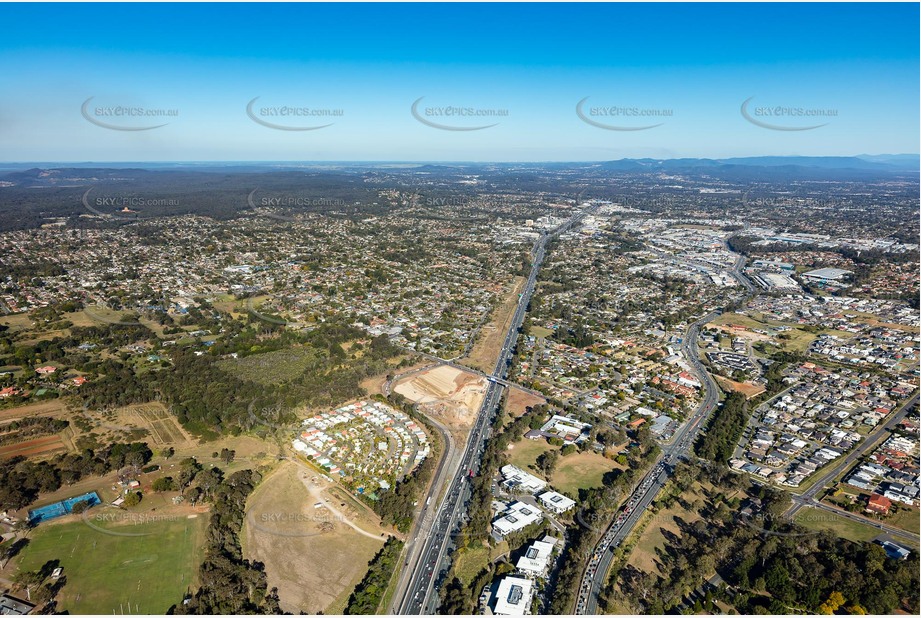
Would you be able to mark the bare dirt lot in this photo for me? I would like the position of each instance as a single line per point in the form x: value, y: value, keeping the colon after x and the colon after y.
x: 45, y: 445
x: 377, y: 385
x: 450, y: 395
x: 519, y: 401
x: 742, y: 331
x: 314, y: 541
x: 53, y: 407
x: 746, y: 388
x: 39, y: 445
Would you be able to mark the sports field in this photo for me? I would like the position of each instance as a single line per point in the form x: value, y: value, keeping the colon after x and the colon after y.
x: 106, y: 572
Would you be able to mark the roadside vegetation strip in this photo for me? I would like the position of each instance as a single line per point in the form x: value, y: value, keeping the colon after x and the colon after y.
x: 821, y: 520
x: 724, y: 430
x: 392, y: 584
x: 369, y: 594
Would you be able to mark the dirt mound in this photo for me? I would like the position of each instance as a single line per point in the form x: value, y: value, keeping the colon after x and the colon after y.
x: 445, y: 392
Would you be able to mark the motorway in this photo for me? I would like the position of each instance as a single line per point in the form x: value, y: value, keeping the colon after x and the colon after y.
x: 429, y: 564
x: 595, y: 575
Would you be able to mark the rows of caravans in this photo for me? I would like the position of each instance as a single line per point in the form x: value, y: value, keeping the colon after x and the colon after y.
x: 338, y: 439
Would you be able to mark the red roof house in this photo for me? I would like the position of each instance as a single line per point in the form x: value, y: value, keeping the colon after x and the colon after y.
x: 879, y: 504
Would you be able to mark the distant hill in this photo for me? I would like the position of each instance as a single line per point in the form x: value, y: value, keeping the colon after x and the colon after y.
x: 34, y: 194
x: 863, y: 162
x: 778, y: 167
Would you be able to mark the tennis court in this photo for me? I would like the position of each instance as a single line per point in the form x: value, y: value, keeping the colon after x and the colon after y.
x: 64, y: 507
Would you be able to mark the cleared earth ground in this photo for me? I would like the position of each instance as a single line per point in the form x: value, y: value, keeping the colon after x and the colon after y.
x: 446, y: 393
x: 54, y: 407
x: 746, y: 388
x: 518, y: 401
x: 312, y: 555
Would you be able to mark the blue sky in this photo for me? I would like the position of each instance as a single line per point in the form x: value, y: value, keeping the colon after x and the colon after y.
x: 853, y: 67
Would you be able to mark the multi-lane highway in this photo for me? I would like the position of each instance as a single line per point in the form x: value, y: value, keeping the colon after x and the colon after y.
x: 428, y: 564
x: 595, y: 575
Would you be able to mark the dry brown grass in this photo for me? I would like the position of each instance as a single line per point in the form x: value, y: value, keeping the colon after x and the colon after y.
x: 315, y: 561
x: 519, y: 400
x: 485, y: 351
x: 746, y: 388
x: 52, y: 407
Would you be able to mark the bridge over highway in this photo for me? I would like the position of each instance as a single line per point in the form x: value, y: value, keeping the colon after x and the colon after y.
x: 427, y: 564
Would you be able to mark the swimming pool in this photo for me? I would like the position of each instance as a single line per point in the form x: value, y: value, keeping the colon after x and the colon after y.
x: 64, y: 507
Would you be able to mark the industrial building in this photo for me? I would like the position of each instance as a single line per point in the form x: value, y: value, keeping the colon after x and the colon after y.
x: 826, y: 275
x: 513, y: 598
x: 516, y: 479
x: 517, y: 516
x: 556, y: 502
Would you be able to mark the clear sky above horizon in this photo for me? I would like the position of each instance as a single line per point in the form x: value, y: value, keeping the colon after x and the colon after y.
x: 70, y: 70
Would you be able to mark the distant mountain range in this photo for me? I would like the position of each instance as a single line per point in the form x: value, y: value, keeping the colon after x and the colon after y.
x: 902, y: 162
x: 881, y: 162
x: 330, y: 177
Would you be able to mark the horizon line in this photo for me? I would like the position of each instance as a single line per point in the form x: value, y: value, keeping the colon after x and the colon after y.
x: 453, y: 161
